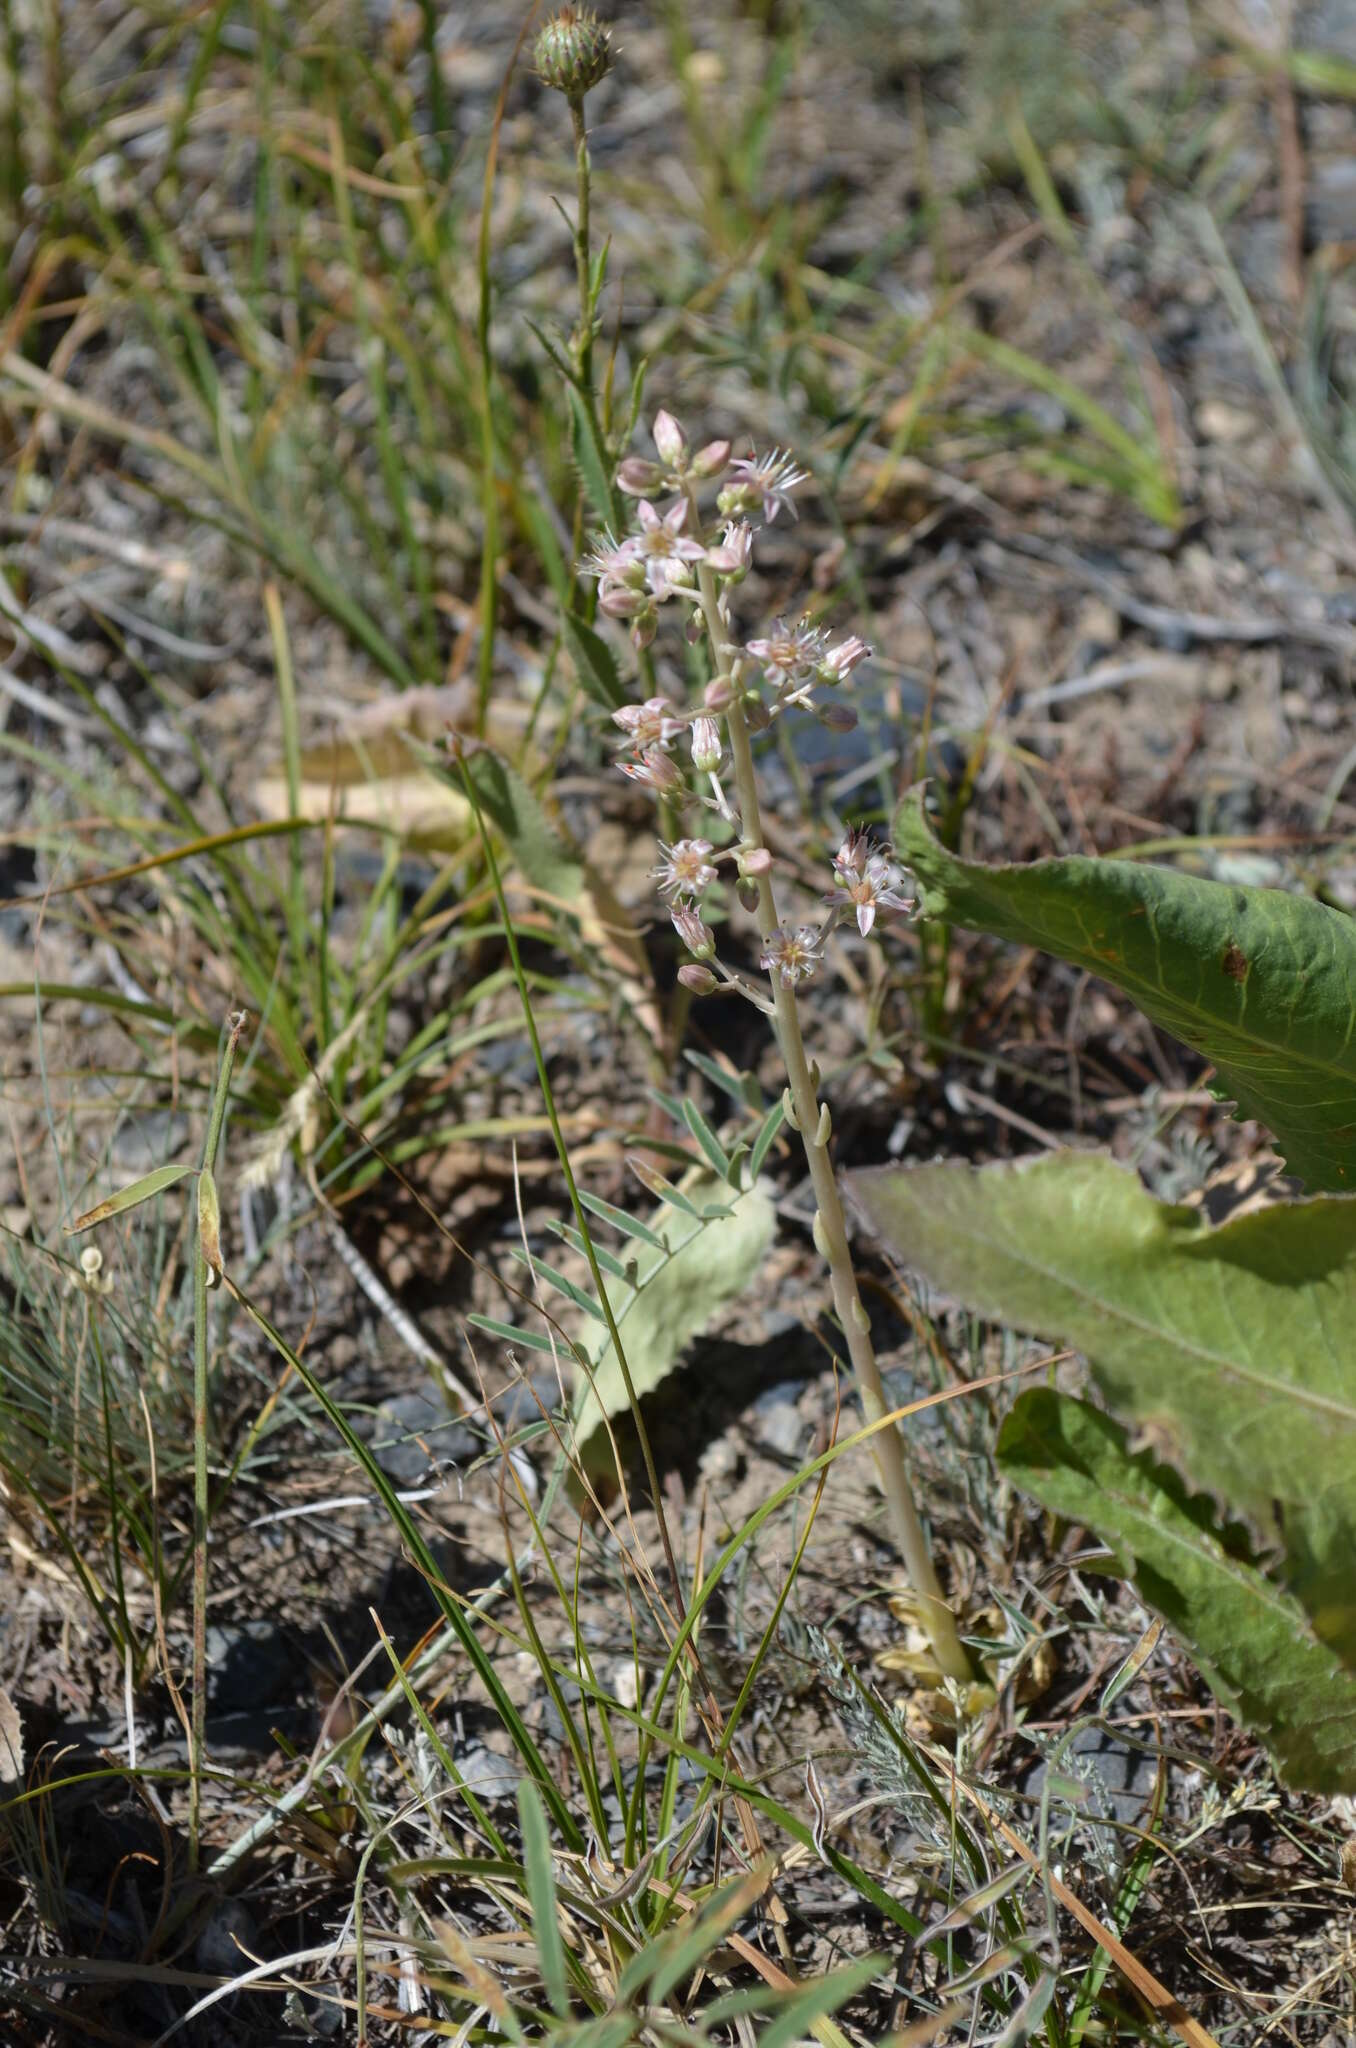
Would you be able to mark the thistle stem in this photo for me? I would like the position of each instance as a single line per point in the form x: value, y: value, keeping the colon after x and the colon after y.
x: 583, y: 344
x: 830, y: 1223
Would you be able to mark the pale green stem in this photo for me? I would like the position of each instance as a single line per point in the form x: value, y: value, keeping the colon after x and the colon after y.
x: 198, y: 1714
x: 812, y: 1120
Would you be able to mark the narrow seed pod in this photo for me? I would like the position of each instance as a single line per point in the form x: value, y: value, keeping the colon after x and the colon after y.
x: 209, y: 1226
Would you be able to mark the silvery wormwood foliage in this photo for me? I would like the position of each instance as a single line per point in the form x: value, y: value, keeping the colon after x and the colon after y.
x: 793, y: 663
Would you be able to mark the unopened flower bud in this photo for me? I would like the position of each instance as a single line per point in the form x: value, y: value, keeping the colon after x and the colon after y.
x: 718, y: 695
x: 710, y: 460
x: 698, y: 937
x: 754, y: 860
x: 706, y: 746
x: 639, y: 478
x: 837, y: 717
x: 699, y: 979
x: 617, y: 602
x: 573, y: 52
x: 670, y: 440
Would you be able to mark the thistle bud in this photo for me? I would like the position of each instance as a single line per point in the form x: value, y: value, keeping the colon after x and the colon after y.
x: 699, y: 979
x: 573, y: 52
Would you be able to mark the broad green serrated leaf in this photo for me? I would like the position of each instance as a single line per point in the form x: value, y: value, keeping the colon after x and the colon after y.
x: 1260, y: 982
x: 1251, y: 1641
x: 680, y: 1288
x: 1230, y: 1347
x: 594, y: 662
x: 136, y: 1191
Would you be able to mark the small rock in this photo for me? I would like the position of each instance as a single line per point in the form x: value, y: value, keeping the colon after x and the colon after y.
x: 720, y: 1460
x: 488, y: 1775
x: 1226, y: 424
x: 779, y: 1429
x: 228, y: 1941
x: 625, y: 1683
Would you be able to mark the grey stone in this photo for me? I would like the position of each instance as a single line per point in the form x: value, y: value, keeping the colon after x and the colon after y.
x: 1119, y: 1778
x: 780, y: 1429
x: 487, y: 1774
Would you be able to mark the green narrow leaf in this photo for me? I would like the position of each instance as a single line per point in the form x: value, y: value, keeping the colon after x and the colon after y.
x: 590, y: 459
x: 561, y: 1284
x: 762, y: 1144
x: 742, y: 1089
x: 706, y: 1138
x: 153, y: 1183
x: 1250, y: 1640
x: 1260, y: 982
x: 530, y: 1340
x: 541, y: 1891
x: 1230, y: 1346
x: 594, y: 662
x: 819, y: 1998
x: 575, y: 1240
x: 629, y: 1226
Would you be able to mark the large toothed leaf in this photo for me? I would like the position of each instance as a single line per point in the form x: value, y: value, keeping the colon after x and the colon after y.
x: 1232, y: 1348
x: 1260, y: 982
x: 697, y: 1270
x: 1250, y: 1640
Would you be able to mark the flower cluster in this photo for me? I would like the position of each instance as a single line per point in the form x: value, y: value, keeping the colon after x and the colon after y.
x: 669, y: 556
x: 866, y: 879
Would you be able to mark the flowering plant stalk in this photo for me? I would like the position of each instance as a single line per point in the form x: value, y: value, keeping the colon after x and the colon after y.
x: 673, y: 557
x: 676, y: 555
